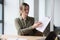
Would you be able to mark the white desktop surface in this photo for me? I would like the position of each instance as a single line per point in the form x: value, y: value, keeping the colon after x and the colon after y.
x: 16, y: 37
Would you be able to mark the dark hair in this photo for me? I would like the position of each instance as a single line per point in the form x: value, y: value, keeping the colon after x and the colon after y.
x: 25, y: 4
x: 51, y: 36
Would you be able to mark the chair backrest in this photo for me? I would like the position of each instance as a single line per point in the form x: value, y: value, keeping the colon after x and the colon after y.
x: 51, y: 36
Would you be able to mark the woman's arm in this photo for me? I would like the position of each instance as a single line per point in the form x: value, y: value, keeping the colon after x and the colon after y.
x: 22, y: 31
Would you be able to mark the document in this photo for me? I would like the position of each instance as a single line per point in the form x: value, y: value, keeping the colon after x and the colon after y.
x: 45, y: 21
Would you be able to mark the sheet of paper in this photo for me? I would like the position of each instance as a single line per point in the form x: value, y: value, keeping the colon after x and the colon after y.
x: 45, y: 21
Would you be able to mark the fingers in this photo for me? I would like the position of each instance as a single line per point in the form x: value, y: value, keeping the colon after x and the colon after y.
x: 37, y: 24
x: 40, y: 24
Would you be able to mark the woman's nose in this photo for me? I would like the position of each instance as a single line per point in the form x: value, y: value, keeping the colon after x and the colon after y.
x: 27, y: 11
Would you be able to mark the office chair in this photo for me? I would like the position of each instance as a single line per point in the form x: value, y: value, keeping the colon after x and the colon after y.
x: 51, y: 36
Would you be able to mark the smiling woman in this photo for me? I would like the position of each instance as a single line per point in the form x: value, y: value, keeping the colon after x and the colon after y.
x: 11, y: 11
x: 25, y: 24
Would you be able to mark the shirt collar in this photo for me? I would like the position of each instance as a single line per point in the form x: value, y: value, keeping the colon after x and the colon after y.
x: 22, y: 18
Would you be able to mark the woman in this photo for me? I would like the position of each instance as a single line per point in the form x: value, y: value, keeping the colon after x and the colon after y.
x: 24, y: 24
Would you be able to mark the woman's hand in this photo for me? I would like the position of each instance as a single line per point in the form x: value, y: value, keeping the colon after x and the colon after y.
x: 37, y: 24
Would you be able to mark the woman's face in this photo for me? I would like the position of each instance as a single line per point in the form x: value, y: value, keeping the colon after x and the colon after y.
x: 25, y: 11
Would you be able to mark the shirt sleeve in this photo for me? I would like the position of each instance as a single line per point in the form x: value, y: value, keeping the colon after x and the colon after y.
x: 23, y: 31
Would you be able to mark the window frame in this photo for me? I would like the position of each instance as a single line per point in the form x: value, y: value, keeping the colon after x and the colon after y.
x: 2, y: 21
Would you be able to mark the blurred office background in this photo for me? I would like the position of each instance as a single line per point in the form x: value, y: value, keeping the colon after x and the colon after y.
x: 9, y: 10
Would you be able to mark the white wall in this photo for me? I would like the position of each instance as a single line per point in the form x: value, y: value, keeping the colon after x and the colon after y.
x: 36, y: 10
x: 11, y: 11
x: 57, y: 13
x: 41, y: 9
x: 47, y: 7
x: 49, y: 11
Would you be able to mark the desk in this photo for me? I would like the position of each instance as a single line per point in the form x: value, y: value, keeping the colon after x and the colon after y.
x: 6, y: 37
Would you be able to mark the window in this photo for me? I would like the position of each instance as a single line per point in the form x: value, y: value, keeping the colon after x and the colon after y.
x: 0, y: 28
x: 1, y: 18
x: 0, y: 12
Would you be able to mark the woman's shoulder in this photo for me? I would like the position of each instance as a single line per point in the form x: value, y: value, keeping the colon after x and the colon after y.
x: 30, y: 17
x: 16, y: 19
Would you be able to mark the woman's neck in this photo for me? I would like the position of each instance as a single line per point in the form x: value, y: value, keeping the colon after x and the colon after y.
x: 24, y: 17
